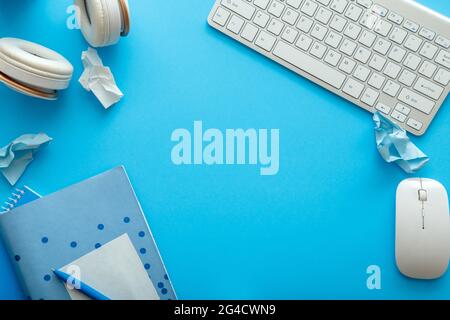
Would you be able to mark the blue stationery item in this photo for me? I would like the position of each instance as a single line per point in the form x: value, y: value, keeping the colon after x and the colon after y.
x: 18, y: 198
x: 395, y: 146
x: 83, y: 287
x: 55, y: 230
x: 18, y: 154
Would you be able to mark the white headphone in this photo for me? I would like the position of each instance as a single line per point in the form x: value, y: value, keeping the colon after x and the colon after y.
x: 32, y: 69
x: 103, y: 22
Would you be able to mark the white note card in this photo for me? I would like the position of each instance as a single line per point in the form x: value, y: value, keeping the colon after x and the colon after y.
x: 115, y: 270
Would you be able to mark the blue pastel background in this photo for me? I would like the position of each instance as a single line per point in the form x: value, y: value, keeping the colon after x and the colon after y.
x: 225, y: 232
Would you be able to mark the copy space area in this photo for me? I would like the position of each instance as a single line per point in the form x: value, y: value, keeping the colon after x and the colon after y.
x: 224, y: 232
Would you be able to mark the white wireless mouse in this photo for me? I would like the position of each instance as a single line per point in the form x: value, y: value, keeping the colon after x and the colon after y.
x: 422, y: 246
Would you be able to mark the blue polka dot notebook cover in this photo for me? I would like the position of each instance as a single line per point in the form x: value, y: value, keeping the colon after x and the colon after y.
x: 53, y: 231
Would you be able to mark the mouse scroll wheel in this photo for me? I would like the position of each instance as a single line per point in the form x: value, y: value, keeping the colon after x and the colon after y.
x: 423, y: 196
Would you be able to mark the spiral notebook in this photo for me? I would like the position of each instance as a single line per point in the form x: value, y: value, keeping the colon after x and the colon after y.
x: 53, y: 231
x: 18, y: 198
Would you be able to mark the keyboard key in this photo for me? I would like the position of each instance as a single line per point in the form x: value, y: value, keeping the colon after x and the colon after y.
x: 262, y: 3
x: 289, y: 35
x: 397, y: 54
x: 338, y: 23
x: 367, y: 38
x: 304, y: 42
x: 290, y: 16
x: 427, y: 69
x: 398, y: 35
x: 412, y: 61
x: 318, y: 50
x: 347, y: 65
x: 428, y: 88
x: 240, y: 7
x: 323, y: 15
x: 403, y: 109
x: 391, y: 88
x: 411, y: 26
x: 235, y: 24
x: 365, y: 3
x: 427, y: 34
x: 353, y: 12
x: 443, y: 77
x: 368, y: 20
x: 443, y: 42
x: 333, y: 58
x: 377, y: 62
x: 392, y: 70
x: 370, y: 96
x: 352, y: 31
x: 395, y: 17
x: 382, y: 46
x: 333, y: 39
x: 309, y: 65
x: 324, y: 2
x: 413, y: 43
x: 443, y: 59
x: 376, y: 80
x: 362, y: 55
x: 379, y: 10
x: 319, y: 32
x: 416, y: 101
x: 304, y: 24
x: 339, y: 5
x: 407, y: 78
x: 261, y: 19
x: 362, y: 73
x: 383, y: 27
x: 275, y: 27
x: 221, y: 16
x: 353, y: 88
x: 428, y: 50
x: 276, y: 8
x: 415, y: 124
x: 294, y: 3
x: 249, y: 32
x: 265, y: 41
x: 383, y: 108
x: 398, y: 116
x: 348, y: 47
x: 309, y: 8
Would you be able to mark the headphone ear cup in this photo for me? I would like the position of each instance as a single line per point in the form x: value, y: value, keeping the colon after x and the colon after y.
x: 92, y: 21
x: 126, y: 17
x: 33, y: 69
x: 100, y: 21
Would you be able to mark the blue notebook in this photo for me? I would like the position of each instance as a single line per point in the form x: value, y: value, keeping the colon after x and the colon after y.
x: 18, y: 198
x: 53, y: 231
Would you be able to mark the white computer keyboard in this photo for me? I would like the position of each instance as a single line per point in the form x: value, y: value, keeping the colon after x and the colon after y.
x: 386, y: 55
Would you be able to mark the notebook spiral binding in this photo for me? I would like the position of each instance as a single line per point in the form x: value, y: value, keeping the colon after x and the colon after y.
x: 12, y: 201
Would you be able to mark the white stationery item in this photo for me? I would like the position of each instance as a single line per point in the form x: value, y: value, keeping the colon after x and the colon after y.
x: 99, y: 79
x: 115, y: 270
